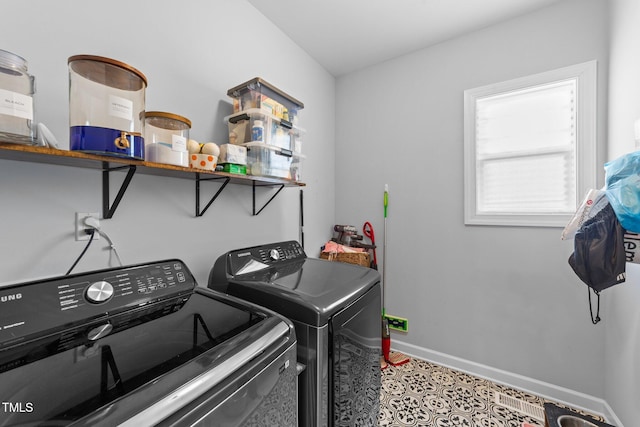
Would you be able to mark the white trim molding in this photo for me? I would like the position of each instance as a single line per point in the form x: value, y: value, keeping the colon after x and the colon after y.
x: 585, y: 75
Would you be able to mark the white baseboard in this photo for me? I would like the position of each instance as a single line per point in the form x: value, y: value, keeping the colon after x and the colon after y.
x: 552, y: 392
x: 611, y: 416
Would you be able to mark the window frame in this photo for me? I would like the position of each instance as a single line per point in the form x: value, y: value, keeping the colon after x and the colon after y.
x: 585, y: 75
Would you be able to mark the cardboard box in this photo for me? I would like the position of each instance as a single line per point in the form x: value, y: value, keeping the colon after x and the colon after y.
x: 230, y: 153
x: 235, y: 169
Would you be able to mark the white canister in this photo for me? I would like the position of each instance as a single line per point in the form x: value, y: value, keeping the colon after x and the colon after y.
x: 17, y: 110
x: 165, y: 138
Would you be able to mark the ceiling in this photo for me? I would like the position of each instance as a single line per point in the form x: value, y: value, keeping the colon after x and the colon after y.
x: 347, y: 35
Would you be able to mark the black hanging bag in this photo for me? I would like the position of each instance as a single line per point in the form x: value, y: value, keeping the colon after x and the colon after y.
x: 599, y: 257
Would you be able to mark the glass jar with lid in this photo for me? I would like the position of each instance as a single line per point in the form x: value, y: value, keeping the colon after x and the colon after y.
x: 165, y: 138
x: 17, y: 110
x: 106, y: 107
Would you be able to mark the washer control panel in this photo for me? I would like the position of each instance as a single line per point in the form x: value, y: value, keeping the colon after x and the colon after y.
x: 34, y: 307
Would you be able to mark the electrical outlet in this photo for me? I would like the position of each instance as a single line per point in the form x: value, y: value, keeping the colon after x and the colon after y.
x: 81, y: 227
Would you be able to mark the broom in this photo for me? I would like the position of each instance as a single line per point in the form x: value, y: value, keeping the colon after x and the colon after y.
x: 393, y: 357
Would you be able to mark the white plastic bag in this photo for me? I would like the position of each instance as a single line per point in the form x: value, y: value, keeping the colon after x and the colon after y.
x: 593, y: 203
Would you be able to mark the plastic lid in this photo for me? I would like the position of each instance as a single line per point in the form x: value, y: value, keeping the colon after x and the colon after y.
x: 12, y: 61
x: 258, y: 82
x: 108, y: 72
x: 258, y: 123
x: 162, y: 114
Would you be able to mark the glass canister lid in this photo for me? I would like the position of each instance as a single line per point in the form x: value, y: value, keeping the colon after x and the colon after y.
x: 11, y: 61
x: 108, y: 72
x: 174, y: 121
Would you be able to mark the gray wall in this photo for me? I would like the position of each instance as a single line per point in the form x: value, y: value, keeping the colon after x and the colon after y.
x: 623, y: 323
x: 500, y: 296
x: 191, y: 53
x: 504, y: 297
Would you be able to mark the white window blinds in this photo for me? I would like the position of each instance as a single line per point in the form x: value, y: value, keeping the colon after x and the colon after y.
x: 525, y: 150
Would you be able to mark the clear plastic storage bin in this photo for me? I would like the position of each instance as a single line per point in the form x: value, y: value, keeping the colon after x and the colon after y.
x: 271, y: 161
x: 257, y: 93
x: 106, y: 107
x: 17, y: 109
x: 254, y: 125
x: 165, y: 138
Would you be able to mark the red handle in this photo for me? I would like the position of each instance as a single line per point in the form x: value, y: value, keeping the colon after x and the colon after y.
x: 367, y: 229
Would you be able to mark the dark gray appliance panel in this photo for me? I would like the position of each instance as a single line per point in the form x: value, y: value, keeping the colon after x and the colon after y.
x: 355, y: 362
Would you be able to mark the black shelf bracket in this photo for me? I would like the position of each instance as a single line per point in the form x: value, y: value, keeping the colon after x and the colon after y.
x: 215, y: 196
x: 254, y: 185
x: 107, y: 212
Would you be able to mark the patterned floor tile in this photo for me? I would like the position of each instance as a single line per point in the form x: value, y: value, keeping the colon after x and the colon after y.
x: 420, y: 393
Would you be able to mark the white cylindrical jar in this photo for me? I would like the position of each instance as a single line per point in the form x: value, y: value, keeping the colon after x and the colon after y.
x: 165, y: 138
x: 17, y: 109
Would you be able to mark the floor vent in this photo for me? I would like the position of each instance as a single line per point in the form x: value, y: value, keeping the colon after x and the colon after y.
x: 521, y: 406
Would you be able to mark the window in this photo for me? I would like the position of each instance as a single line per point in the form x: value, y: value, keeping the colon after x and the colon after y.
x: 530, y: 148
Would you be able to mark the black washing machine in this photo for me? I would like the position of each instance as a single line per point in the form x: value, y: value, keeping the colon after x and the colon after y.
x: 140, y: 346
x: 336, y: 310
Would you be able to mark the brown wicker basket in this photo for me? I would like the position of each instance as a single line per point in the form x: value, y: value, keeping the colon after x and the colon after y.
x: 359, y: 258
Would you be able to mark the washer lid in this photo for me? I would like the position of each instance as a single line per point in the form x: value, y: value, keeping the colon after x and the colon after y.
x: 310, y: 290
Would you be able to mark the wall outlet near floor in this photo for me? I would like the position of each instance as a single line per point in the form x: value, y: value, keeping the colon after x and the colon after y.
x: 397, y: 323
x: 81, y: 227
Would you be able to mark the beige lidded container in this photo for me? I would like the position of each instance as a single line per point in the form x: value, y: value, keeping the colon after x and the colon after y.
x: 165, y: 138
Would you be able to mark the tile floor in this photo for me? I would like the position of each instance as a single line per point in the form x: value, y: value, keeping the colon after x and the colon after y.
x: 421, y: 393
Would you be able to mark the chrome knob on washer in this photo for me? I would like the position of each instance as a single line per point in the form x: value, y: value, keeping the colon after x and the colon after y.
x: 99, y: 292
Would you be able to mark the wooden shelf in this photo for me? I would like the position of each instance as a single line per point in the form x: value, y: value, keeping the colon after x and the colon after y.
x: 107, y: 164
x: 34, y: 154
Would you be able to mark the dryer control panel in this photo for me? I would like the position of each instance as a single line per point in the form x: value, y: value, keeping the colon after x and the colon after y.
x: 258, y: 258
